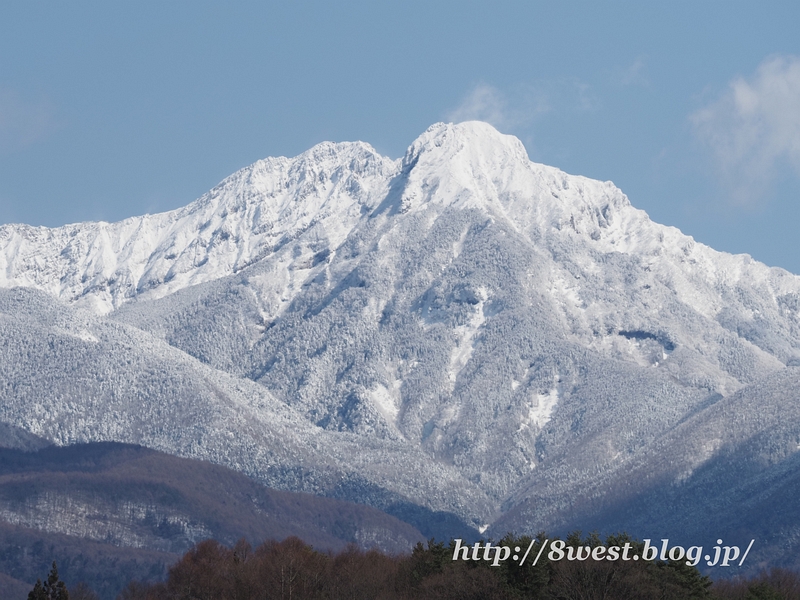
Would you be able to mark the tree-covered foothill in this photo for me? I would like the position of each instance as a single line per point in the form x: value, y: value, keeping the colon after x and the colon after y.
x: 292, y: 569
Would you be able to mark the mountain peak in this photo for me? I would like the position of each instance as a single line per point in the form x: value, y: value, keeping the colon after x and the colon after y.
x: 323, y: 194
x: 249, y: 215
x: 467, y: 140
x: 472, y: 165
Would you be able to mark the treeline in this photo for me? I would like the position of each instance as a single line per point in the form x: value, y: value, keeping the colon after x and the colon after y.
x: 292, y: 569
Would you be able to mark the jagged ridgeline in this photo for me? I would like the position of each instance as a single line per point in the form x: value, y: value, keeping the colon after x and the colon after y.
x: 459, y: 337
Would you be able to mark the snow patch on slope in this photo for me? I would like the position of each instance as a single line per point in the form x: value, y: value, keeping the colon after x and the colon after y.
x: 465, y: 337
x: 540, y: 409
x: 387, y: 401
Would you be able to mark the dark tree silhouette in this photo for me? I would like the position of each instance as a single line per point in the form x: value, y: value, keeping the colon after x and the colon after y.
x: 52, y: 589
x: 293, y: 570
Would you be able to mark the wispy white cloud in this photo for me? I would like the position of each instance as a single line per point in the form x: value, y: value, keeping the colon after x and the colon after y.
x: 506, y: 112
x: 22, y: 122
x: 634, y: 74
x: 482, y: 103
x: 525, y: 103
x: 753, y: 128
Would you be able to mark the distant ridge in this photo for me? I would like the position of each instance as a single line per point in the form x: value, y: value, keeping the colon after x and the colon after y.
x: 109, y: 501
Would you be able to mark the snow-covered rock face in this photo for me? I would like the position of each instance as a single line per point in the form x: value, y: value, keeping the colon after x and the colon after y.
x: 245, y: 218
x: 584, y: 225
x: 508, y: 329
x: 327, y: 190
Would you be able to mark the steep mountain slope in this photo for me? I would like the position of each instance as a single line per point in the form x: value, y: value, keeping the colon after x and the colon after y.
x: 461, y: 330
x: 71, y: 378
x: 731, y: 470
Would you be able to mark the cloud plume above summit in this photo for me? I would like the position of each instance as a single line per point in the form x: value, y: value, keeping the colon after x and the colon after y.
x: 753, y: 128
x: 486, y: 103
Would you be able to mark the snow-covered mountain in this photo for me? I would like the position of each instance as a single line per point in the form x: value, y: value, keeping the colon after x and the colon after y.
x: 245, y: 218
x: 461, y: 331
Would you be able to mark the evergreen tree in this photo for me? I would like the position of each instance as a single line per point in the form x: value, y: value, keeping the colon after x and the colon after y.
x: 52, y: 589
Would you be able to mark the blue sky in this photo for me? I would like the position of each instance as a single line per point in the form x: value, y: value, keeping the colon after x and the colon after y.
x: 109, y: 110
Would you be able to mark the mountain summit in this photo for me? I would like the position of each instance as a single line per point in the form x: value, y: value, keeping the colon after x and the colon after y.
x: 460, y: 334
x: 243, y: 219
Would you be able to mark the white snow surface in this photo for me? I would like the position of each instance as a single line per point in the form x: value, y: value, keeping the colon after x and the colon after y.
x: 246, y: 217
x: 327, y: 189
